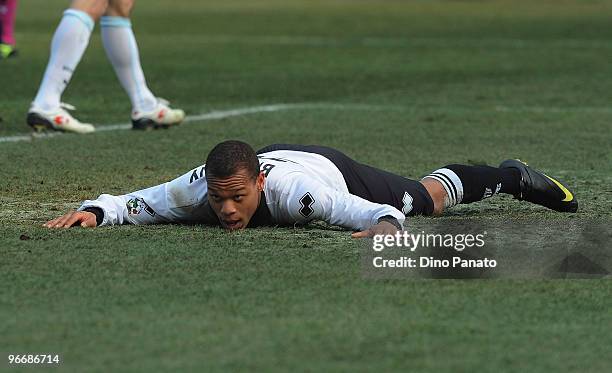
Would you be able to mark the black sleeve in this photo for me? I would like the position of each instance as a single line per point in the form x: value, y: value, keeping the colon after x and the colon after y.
x: 98, y: 212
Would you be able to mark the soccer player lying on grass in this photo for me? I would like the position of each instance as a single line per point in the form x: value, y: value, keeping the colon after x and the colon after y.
x: 295, y: 184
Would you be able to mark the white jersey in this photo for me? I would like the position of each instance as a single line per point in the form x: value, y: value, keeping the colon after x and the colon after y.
x: 299, y: 187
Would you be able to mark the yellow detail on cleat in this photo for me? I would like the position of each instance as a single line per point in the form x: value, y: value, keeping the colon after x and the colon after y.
x: 5, y: 50
x: 40, y: 127
x: 568, y: 195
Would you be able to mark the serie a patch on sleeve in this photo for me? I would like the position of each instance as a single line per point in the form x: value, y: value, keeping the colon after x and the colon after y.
x: 136, y: 206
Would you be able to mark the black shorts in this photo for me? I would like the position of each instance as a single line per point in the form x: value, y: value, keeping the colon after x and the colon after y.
x: 370, y: 183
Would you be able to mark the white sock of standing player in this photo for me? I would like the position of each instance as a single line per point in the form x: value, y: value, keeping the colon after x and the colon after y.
x: 67, y: 47
x: 122, y: 51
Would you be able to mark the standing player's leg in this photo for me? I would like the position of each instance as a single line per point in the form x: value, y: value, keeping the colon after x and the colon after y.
x: 8, y: 9
x: 122, y: 51
x: 67, y: 47
x: 456, y: 184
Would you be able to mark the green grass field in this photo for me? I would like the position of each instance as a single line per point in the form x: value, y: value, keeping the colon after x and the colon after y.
x: 404, y: 85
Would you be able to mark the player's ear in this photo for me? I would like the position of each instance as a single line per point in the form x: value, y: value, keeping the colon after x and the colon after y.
x: 261, y: 180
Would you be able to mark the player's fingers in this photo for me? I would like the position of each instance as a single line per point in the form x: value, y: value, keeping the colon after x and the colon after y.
x: 362, y: 234
x: 60, y: 223
x: 53, y: 223
x: 74, y: 218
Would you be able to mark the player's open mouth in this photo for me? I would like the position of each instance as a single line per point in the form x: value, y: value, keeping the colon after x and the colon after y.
x: 232, y: 224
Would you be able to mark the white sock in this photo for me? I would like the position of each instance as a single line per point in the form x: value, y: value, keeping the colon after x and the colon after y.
x: 452, y: 185
x: 122, y: 51
x: 67, y: 47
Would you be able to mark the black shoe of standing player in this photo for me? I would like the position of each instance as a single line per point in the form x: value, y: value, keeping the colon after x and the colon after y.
x: 542, y: 189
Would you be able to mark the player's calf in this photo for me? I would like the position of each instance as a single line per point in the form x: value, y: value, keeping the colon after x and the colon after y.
x: 437, y: 193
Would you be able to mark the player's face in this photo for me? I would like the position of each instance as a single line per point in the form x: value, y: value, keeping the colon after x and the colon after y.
x: 235, y: 199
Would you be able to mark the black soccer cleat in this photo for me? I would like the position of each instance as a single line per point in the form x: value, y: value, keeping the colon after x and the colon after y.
x: 542, y: 189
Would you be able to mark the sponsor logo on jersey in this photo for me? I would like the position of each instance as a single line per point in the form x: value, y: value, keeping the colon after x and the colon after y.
x: 306, y: 201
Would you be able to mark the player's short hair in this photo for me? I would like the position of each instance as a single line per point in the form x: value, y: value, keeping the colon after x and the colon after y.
x: 229, y: 157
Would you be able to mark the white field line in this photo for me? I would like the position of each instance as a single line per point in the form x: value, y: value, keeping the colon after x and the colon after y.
x: 216, y: 115
x: 552, y: 109
x: 395, y: 42
x: 190, y: 118
x: 212, y: 115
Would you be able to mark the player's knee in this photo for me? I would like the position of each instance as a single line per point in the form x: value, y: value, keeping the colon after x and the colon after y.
x: 120, y: 8
x: 437, y: 193
x: 94, y: 8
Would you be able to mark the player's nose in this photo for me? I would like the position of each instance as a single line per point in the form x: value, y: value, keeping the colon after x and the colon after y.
x: 228, y: 208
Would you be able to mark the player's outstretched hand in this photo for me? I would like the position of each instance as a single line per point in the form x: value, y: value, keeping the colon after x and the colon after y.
x: 384, y: 227
x: 84, y: 219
